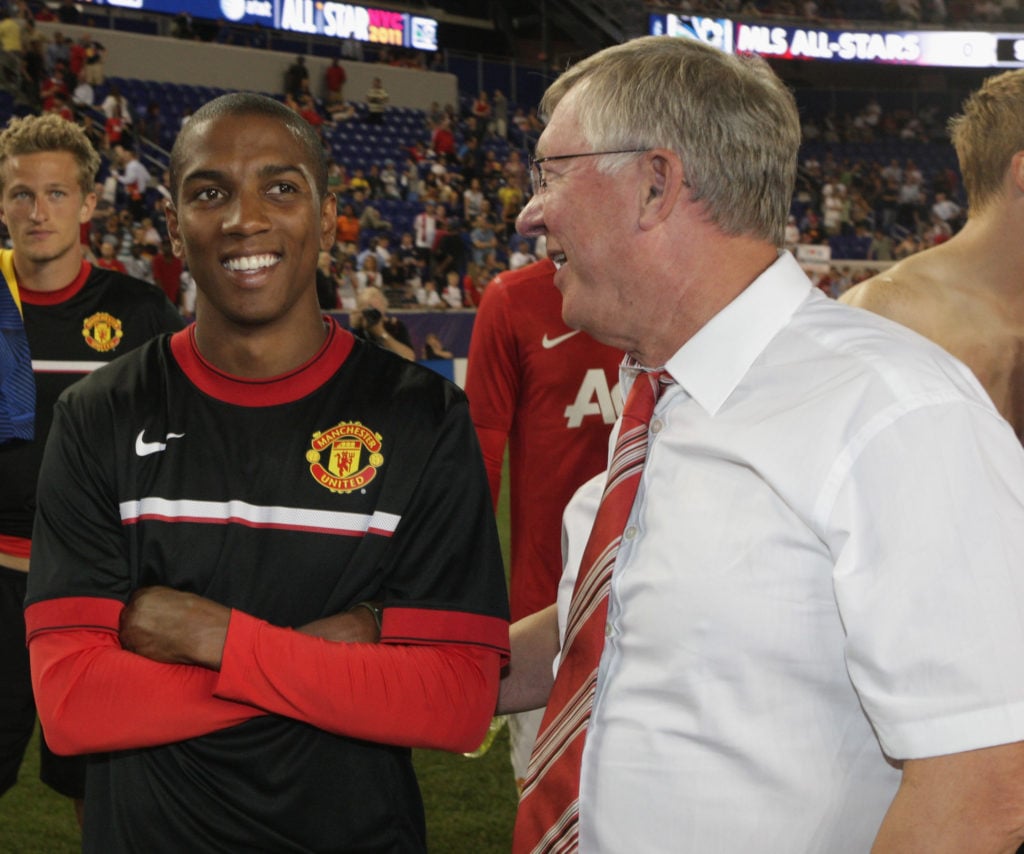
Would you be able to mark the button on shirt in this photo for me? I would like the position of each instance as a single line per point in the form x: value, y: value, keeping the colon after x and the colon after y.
x: 827, y: 543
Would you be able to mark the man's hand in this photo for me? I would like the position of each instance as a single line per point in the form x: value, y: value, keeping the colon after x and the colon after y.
x: 174, y: 627
x: 355, y: 626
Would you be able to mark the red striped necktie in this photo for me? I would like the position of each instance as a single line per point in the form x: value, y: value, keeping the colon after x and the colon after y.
x: 548, y: 819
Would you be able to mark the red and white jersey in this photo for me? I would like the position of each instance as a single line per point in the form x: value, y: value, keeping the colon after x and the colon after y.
x: 551, y: 393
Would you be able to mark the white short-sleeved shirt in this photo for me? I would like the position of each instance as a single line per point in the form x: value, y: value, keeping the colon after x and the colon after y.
x: 823, y: 566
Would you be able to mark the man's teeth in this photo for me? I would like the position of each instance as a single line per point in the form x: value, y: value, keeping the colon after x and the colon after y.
x: 251, y: 262
x: 559, y: 259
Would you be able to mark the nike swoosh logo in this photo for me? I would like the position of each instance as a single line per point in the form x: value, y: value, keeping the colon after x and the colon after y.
x: 144, y: 448
x: 548, y: 343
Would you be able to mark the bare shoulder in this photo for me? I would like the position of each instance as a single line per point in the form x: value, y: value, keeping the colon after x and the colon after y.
x: 913, y: 292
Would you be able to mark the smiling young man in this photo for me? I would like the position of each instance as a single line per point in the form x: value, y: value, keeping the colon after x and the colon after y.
x: 259, y: 471
x: 77, y: 317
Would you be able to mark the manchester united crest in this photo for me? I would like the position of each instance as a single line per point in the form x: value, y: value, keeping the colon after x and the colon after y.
x: 345, y: 457
x: 102, y: 331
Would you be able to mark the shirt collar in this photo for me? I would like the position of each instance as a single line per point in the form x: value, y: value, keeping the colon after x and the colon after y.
x: 714, y: 361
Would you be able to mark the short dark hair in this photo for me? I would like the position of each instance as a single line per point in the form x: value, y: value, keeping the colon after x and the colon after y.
x: 251, y: 104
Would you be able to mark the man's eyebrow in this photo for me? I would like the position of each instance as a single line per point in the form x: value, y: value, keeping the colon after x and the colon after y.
x: 21, y: 187
x: 271, y: 170
x: 203, y: 175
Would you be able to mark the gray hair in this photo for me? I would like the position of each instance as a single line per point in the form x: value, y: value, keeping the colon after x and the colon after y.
x: 730, y: 119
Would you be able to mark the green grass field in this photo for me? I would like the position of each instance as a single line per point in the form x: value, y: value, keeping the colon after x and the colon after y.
x: 470, y: 803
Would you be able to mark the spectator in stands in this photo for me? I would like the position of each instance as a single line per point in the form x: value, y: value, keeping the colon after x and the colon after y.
x: 473, y: 284
x: 389, y: 181
x: 424, y: 227
x: 427, y: 295
x: 58, y: 50
x: 381, y: 247
x: 135, y: 178
x: 472, y: 201
x: 442, y: 142
x: 115, y: 130
x: 376, y: 102
x: 471, y: 159
x: 56, y: 83
x: 326, y: 294
x: 68, y: 13
x: 369, y: 275
x: 181, y: 27
x: 369, y: 216
x: 138, y: 263
x: 358, y: 182
x: 451, y: 294
x: 371, y: 322
x: 348, y: 228
x: 947, y: 210
x: 375, y: 188
x: 296, y: 78
x: 483, y: 239
x: 450, y: 250
x: 481, y: 112
x: 346, y: 285
x: 116, y: 99
x: 95, y: 53
x: 514, y: 170
x: 510, y: 202
x: 11, y: 51
x: 499, y: 106
x: 520, y: 255
x: 337, y: 180
x: 938, y: 231
x: 167, y: 270
x: 910, y: 200
x: 151, y: 124
x: 881, y: 246
x: 341, y: 111
x: 334, y: 84
x: 308, y: 110
x: 395, y: 279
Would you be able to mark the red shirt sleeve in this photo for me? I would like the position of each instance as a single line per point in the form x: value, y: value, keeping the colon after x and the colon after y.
x: 411, y: 689
x: 94, y: 696
x: 492, y: 380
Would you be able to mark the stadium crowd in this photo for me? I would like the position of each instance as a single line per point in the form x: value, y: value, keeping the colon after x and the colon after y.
x: 876, y: 183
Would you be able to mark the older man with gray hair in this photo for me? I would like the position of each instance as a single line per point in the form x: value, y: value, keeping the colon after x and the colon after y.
x: 790, y: 617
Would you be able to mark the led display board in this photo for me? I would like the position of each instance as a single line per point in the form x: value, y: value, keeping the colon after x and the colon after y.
x: 314, y: 17
x: 923, y: 47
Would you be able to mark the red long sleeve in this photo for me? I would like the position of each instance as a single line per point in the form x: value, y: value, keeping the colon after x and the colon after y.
x: 492, y: 447
x: 94, y: 696
x: 436, y: 696
x: 434, y: 685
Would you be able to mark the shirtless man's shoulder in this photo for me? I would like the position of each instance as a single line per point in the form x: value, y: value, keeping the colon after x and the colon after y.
x: 917, y: 292
x: 956, y: 300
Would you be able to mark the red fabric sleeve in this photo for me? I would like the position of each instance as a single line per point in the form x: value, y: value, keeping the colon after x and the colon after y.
x: 439, y: 696
x: 93, y: 696
x: 492, y: 448
x: 493, y: 379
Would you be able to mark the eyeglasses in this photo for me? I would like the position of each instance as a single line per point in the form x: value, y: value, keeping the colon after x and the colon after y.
x: 537, y: 180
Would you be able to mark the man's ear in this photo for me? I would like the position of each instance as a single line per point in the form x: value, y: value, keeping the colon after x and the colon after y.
x: 1017, y: 171
x: 661, y: 182
x: 173, y: 231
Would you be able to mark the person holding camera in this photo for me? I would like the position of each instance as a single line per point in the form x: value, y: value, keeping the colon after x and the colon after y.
x: 371, y: 322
